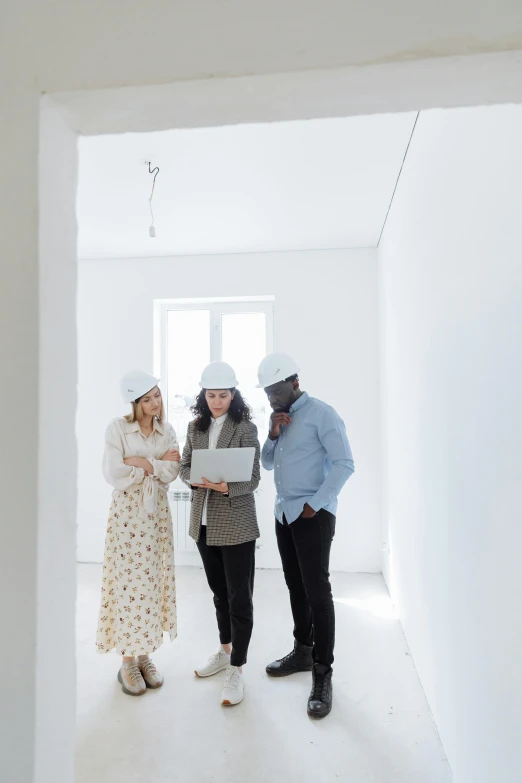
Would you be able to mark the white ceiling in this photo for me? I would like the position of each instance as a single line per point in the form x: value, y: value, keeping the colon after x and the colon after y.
x: 246, y: 188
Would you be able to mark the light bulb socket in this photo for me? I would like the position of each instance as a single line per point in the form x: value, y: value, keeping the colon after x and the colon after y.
x: 152, y: 232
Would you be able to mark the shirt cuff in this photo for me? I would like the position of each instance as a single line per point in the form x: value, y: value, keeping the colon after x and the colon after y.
x: 139, y: 475
x: 157, y: 464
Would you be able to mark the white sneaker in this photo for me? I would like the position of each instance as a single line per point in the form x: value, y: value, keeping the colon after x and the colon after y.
x: 216, y: 663
x: 234, y: 688
x: 132, y: 683
x: 151, y: 676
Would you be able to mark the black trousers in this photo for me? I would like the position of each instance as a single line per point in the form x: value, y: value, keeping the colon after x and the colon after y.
x: 304, y: 547
x: 230, y: 574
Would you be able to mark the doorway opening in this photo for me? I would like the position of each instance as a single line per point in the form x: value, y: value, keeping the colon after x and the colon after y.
x: 444, y: 88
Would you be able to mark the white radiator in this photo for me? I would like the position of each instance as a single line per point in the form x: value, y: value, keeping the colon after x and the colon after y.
x: 180, y: 509
x: 179, y: 500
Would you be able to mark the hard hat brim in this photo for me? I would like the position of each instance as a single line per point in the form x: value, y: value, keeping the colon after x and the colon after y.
x: 142, y: 394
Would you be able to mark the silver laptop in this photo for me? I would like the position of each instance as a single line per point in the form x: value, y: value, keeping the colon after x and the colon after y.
x: 222, y: 465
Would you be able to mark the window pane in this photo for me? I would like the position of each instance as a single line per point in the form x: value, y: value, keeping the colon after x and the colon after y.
x: 243, y: 345
x: 188, y: 352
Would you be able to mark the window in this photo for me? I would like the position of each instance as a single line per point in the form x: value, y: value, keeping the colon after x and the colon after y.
x: 192, y: 333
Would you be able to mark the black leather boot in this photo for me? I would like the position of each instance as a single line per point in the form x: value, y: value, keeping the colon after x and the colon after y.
x: 299, y: 660
x: 320, y: 701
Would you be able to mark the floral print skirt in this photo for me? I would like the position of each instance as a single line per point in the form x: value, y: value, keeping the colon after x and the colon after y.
x: 138, y: 600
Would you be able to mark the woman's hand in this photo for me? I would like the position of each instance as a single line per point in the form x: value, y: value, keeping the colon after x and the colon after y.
x: 221, y: 487
x: 171, y: 456
x: 140, y: 462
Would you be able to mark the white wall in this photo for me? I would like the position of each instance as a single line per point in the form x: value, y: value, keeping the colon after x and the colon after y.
x: 19, y: 404
x: 452, y: 337
x: 56, y: 570
x: 105, y: 46
x: 325, y: 314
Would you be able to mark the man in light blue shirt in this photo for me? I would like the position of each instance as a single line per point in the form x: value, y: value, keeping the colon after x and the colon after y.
x: 308, y: 450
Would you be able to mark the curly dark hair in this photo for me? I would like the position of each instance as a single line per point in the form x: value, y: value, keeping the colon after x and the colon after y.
x: 239, y: 410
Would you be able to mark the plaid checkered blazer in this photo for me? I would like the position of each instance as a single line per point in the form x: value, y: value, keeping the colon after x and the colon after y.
x: 231, y: 520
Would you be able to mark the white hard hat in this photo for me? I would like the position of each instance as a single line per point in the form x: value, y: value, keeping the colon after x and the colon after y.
x: 136, y: 383
x: 274, y: 368
x: 218, y: 375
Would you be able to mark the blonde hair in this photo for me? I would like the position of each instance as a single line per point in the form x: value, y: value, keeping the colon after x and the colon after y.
x: 137, y: 411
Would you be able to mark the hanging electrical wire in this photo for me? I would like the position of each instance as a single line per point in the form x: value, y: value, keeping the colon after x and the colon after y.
x: 155, y: 171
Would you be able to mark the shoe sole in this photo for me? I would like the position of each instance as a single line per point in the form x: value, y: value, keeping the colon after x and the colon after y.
x: 286, y: 673
x: 203, y: 676
x: 314, y: 716
x: 125, y: 690
x: 228, y: 703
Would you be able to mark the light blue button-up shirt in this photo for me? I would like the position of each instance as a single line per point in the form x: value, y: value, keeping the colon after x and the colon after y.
x: 311, y: 459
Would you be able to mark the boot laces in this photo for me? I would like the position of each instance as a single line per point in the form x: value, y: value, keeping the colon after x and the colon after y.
x: 288, y: 657
x: 320, y: 687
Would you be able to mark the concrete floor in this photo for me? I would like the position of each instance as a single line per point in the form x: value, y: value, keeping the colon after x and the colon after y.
x: 380, y: 729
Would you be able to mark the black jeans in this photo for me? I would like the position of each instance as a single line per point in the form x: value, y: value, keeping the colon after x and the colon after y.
x: 230, y: 574
x: 304, y: 547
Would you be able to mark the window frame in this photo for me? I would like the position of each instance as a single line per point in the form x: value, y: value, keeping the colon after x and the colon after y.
x: 217, y: 308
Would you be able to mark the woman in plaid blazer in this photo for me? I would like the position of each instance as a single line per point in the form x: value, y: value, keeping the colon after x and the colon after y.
x: 223, y: 522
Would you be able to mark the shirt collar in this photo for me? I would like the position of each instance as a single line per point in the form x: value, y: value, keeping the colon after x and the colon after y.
x: 299, y: 402
x: 131, y: 426
x: 159, y: 426
x: 220, y: 420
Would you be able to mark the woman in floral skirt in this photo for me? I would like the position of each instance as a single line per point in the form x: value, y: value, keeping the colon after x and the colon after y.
x: 138, y: 601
